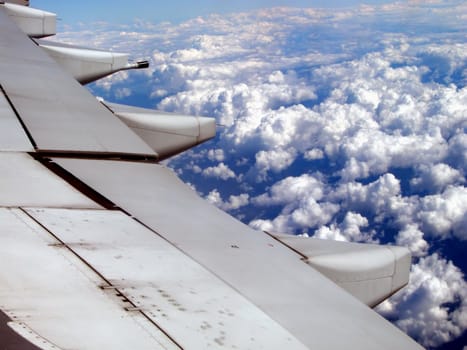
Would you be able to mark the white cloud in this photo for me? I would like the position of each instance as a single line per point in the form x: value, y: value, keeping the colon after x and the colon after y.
x: 457, y: 147
x: 379, y: 197
x: 411, y: 237
x: 220, y: 171
x: 445, y: 213
x: 122, y: 93
x: 234, y: 202
x: 216, y: 155
x: 349, y: 230
x: 331, y: 232
x: 435, y: 177
x: 273, y: 160
x: 214, y: 197
x: 351, y: 227
x: 292, y: 190
x: 302, y: 205
x: 314, y: 154
x: 422, y: 308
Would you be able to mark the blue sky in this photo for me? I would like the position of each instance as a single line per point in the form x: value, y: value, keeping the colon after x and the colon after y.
x: 173, y: 10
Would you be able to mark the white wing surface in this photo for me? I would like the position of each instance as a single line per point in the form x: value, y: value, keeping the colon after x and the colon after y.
x: 58, y: 113
x: 101, y: 247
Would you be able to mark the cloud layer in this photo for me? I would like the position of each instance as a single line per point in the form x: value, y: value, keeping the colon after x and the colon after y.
x: 347, y: 125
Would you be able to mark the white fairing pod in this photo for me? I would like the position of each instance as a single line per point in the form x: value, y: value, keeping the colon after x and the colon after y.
x: 88, y: 65
x: 167, y: 133
x: 371, y: 273
x: 35, y: 23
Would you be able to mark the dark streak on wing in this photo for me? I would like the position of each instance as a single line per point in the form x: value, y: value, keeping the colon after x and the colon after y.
x: 28, y: 134
x: 9, y: 339
x: 75, y: 182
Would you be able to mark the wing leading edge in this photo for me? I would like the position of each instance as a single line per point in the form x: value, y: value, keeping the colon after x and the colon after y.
x: 104, y: 248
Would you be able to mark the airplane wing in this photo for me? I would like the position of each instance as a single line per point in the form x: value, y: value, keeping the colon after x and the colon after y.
x: 101, y: 247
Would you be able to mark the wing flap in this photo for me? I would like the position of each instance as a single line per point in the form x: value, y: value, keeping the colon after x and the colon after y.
x: 63, y: 302
x: 264, y: 271
x: 190, y: 304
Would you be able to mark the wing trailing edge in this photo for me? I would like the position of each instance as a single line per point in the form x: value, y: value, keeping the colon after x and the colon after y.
x: 266, y: 272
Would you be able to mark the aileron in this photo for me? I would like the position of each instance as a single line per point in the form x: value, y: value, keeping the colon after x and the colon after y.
x: 249, y: 261
x: 189, y: 303
x: 63, y: 303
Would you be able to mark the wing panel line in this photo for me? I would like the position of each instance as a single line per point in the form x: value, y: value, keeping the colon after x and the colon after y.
x: 20, y: 120
x: 133, y: 306
x: 75, y: 182
x: 240, y: 256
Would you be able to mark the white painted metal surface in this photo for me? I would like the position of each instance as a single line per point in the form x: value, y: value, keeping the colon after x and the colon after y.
x: 12, y: 135
x: 266, y: 272
x: 58, y: 112
x: 197, y: 309
x: 167, y: 133
x: 63, y: 302
x: 25, y: 182
x: 31, y: 336
x: 369, y: 272
x: 33, y: 22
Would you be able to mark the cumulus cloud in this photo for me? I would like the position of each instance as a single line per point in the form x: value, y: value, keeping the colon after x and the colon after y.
x: 216, y: 154
x: 345, y: 124
x: 313, y: 154
x: 457, y: 147
x: 273, y: 160
x: 220, y: 171
x: 379, y: 197
x: 303, y: 208
x: 233, y: 203
x: 411, y: 237
x: 435, y: 177
x: 291, y: 190
x: 446, y: 213
x: 423, y: 308
x: 348, y: 231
